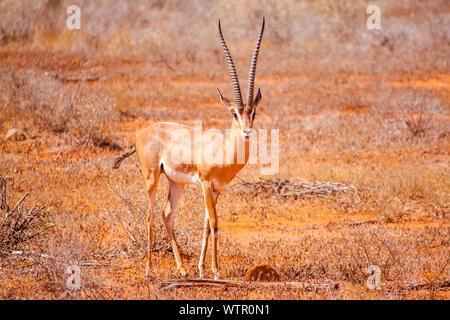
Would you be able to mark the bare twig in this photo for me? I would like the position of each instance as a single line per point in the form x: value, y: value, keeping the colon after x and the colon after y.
x: 163, y: 59
x: 19, y: 202
x: 4, y: 205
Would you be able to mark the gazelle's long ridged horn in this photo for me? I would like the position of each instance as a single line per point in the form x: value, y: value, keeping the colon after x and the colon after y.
x: 252, y: 72
x: 234, y: 78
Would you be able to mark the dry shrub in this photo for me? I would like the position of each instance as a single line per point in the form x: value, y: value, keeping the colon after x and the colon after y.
x: 402, y: 255
x: 33, y: 99
x: 417, y: 124
x: 17, y: 21
x: 406, y: 193
x: 131, y: 217
x: 91, y: 121
x: 420, y: 110
x: 384, y: 117
x: 163, y: 32
x: 65, y: 256
x: 20, y: 223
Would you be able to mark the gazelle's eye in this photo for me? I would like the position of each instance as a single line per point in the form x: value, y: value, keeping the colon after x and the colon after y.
x: 253, y: 116
x: 235, y: 116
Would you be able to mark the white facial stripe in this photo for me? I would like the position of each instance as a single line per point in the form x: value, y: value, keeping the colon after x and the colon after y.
x: 238, y: 115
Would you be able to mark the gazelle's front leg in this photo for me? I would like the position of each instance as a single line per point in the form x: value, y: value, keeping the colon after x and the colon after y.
x: 210, y: 207
x: 206, y: 232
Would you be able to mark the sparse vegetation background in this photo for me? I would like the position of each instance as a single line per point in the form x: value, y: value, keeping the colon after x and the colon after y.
x: 364, y: 109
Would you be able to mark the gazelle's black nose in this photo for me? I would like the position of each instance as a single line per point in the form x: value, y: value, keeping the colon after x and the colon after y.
x: 246, y: 133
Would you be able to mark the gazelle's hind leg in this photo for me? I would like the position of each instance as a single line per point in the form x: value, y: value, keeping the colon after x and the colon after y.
x: 175, y: 192
x: 151, y: 184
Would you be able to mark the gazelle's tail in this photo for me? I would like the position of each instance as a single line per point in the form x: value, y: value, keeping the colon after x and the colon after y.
x: 123, y: 157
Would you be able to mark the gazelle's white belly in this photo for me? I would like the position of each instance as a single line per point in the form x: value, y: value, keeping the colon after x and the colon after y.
x: 179, y: 176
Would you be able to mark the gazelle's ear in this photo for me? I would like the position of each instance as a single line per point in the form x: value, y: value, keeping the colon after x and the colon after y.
x: 257, y: 98
x: 225, y: 101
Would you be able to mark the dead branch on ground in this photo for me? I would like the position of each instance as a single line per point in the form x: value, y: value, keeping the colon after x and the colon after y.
x: 304, y: 188
x: 176, y: 283
x: 428, y: 285
x: 75, y: 79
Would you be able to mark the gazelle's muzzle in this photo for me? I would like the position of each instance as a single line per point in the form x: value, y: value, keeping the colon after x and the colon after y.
x: 247, y: 134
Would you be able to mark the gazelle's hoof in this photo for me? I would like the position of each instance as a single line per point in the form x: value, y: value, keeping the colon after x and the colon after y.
x: 182, y: 272
x: 149, y: 276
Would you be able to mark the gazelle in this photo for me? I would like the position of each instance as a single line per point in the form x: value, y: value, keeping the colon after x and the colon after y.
x: 155, y: 146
